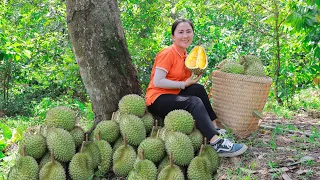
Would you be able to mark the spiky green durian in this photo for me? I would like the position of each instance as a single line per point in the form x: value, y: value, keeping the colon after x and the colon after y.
x: 61, y: 117
x: 117, y: 144
x: 63, y: 144
x: 109, y: 130
x: 105, y: 151
x: 123, y: 160
x: 132, y: 104
x: 52, y: 170
x: 199, y: 168
x: 234, y: 68
x: 179, y: 120
x: 223, y: 62
x: 92, y: 149
x: 196, y: 139
x: 154, y: 149
x: 255, y: 69
x: 181, y: 147
x: 78, y: 135
x: 132, y: 127
x: 144, y: 169
x: 212, y: 156
x: 165, y: 162
x: 81, y: 166
x: 36, y: 145
x: 25, y: 168
x: 248, y: 60
x: 171, y: 172
x: 148, y: 121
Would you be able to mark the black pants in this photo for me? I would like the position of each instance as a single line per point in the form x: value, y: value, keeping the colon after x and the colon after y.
x: 193, y: 99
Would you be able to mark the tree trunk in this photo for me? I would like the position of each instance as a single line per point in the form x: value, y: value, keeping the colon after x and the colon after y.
x: 100, y: 49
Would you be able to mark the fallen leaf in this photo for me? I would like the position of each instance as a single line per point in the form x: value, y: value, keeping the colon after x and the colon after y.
x: 263, y: 171
x: 286, y: 177
x: 302, y: 172
x: 284, y: 169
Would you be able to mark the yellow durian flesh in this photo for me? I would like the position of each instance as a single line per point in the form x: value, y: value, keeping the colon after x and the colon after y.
x: 197, y: 60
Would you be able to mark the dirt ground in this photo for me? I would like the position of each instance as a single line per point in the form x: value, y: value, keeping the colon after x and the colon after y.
x: 280, y: 149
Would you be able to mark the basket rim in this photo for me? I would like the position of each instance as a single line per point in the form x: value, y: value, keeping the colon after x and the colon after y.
x: 242, y: 77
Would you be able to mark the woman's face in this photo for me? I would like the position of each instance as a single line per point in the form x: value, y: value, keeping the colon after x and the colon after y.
x: 183, y: 35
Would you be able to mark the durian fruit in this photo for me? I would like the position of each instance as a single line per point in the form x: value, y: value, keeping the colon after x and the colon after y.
x: 196, y: 138
x: 117, y: 144
x: 255, y: 69
x: 148, y: 121
x: 171, y: 171
x: 234, y: 68
x: 80, y: 166
x: 78, y: 135
x: 157, y: 127
x: 199, y: 168
x: 61, y: 117
x: 248, y: 60
x: 164, y: 162
x: 211, y: 155
x: 162, y: 133
x: 143, y: 169
x: 109, y: 130
x: 132, y: 104
x: 132, y: 126
x: 105, y: 151
x: 25, y: 168
x: 52, y: 170
x: 179, y: 120
x: 123, y: 159
x: 92, y: 149
x: 197, y: 60
x: 223, y: 62
x: 154, y: 149
x: 181, y: 148
x: 63, y: 144
x: 36, y: 145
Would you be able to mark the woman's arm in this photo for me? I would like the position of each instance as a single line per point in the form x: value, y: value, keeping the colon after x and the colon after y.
x: 161, y: 81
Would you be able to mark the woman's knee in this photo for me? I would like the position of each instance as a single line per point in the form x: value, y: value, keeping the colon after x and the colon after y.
x: 197, y: 86
x: 195, y: 101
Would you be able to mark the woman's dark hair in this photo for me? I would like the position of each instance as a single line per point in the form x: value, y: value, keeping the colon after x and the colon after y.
x: 175, y: 24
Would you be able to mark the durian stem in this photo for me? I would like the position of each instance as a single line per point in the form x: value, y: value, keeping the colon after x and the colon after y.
x: 158, y: 132
x: 125, y: 141
x: 142, y: 154
x: 113, y: 115
x: 82, y: 146
x: 201, y: 149
x: 99, y: 135
x: 52, y: 156
x: 156, y: 123
x: 39, y: 131
x: 153, y: 128
x: 87, y: 138
x: 171, y: 163
x: 205, y: 140
x: 23, y: 153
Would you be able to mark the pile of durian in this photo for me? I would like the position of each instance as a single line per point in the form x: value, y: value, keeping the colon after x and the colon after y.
x: 130, y: 146
x: 247, y: 64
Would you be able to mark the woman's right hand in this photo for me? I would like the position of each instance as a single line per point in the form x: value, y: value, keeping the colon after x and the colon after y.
x: 191, y: 81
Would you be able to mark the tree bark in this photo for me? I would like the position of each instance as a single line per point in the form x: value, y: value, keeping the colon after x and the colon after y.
x: 100, y: 49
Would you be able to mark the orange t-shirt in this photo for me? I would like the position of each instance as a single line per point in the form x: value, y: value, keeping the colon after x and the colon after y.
x: 170, y: 59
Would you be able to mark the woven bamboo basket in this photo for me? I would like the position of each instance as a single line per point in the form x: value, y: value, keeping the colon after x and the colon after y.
x: 238, y: 100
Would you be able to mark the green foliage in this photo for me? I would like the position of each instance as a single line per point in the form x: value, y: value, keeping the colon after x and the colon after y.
x: 35, y: 55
